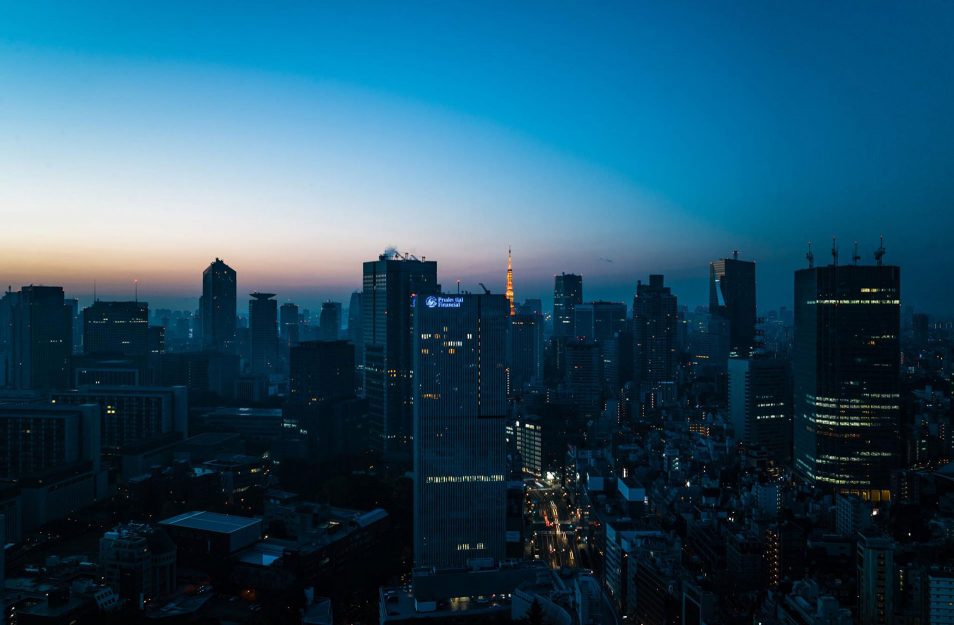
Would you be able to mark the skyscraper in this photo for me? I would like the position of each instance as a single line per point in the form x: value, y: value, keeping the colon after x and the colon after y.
x: 263, y: 330
x: 460, y: 407
x: 654, y: 334
x: 288, y: 324
x: 329, y: 322
x: 525, y: 350
x: 760, y: 404
x: 732, y: 296
x: 117, y: 328
x: 567, y: 293
x: 41, y: 339
x: 389, y: 284
x: 217, y: 307
x: 846, y: 376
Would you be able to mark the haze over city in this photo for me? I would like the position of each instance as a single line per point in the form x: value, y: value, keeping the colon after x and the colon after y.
x: 612, y: 141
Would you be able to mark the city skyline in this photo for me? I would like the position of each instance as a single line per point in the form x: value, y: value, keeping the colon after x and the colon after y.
x: 296, y: 144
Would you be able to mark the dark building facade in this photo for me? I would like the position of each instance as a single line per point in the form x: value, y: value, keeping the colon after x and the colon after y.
x: 329, y: 321
x: 389, y: 284
x: 655, y: 316
x: 263, y: 331
x: 41, y: 338
x: 321, y: 371
x: 599, y: 321
x: 525, y: 350
x: 117, y: 328
x: 732, y: 296
x: 846, y: 376
x: 288, y: 324
x: 760, y: 404
x: 355, y: 326
x: 567, y: 293
x: 460, y: 413
x: 217, y: 307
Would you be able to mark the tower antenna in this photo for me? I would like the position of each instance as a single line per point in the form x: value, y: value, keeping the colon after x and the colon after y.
x: 810, y: 256
x: 854, y: 257
x: 136, y: 282
x: 879, y: 253
x: 509, y: 292
x: 834, y: 251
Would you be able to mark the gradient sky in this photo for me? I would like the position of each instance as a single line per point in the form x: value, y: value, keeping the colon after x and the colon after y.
x: 143, y: 139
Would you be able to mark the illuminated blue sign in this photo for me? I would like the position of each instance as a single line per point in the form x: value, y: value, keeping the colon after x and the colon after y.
x: 434, y: 301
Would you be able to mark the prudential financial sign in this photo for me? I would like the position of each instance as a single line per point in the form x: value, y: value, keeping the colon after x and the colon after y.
x: 435, y: 301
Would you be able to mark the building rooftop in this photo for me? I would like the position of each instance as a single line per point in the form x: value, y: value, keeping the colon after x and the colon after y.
x: 211, y: 522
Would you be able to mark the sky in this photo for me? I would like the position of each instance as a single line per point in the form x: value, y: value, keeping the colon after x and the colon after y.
x: 140, y: 140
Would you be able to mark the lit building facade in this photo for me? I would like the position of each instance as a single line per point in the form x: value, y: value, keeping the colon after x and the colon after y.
x: 846, y: 371
x: 460, y: 409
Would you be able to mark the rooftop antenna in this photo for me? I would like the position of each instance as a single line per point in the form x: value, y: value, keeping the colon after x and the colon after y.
x: 810, y: 256
x: 458, y: 286
x: 136, y: 282
x: 834, y: 251
x: 94, y: 291
x: 879, y: 253
x: 854, y: 257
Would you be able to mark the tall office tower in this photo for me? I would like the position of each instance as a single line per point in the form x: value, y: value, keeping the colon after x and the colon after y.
x: 846, y: 370
x: 567, y: 293
x: 42, y: 339
x: 263, y: 330
x: 654, y: 334
x: 876, y: 578
x: 329, y: 322
x: 760, y: 404
x: 732, y: 296
x: 321, y: 371
x: 120, y: 328
x: 513, y: 309
x: 217, y: 307
x: 460, y: 408
x: 598, y: 321
x: 389, y: 284
x: 584, y: 376
x: 288, y: 323
x: 355, y: 328
x: 525, y: 351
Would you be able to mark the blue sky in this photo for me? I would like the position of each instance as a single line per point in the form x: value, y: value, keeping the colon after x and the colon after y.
x: 294, y: 140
